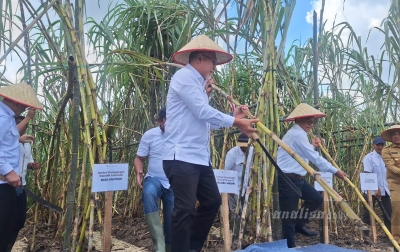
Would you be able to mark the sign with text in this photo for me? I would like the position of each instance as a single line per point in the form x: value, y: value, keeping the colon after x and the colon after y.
x: 227, y: 181
x: 109, y: 177
x: 328, y: 178
x: 368, y: 181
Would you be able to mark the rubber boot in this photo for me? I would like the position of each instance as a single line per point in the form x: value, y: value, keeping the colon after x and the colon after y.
x: 153, y: 221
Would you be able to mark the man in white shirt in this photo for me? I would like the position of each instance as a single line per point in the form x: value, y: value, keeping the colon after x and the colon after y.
x: 16, y: 98
x: 26, y: 162
x: 186, y: 152
x: 155, y: 185
x: 234, y: 161
x: 293, y: 221
x: 373, y: 163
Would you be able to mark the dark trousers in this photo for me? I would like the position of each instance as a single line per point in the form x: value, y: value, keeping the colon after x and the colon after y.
x: 288, y: 204
x: 190, y: 227
x: 21, y: 217
x: 8, y: 214
x: 387, y: 204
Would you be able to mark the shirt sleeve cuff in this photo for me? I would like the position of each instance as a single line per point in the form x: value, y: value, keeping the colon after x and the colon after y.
x: 227, y: 120
x: 7, y: 168
x: 333, y: 170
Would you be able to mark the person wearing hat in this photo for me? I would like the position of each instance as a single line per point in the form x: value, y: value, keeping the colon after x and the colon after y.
x: 16, y: 98
x: 26, y: 162
x: 186, y: 151
x: 296, y: 138
x: 391, y: 158
x: 373, y: 163
x: 155, y: 185
x: 234, y: 161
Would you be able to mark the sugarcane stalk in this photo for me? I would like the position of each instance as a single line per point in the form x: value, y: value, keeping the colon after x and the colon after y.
x: 74, y: 161
x: 345, y: 207
x: 361, y: 197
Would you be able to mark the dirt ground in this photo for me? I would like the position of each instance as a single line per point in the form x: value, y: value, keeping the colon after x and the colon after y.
x: 134, y: 231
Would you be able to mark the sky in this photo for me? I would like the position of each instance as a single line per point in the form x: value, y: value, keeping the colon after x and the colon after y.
x: 362, y: 15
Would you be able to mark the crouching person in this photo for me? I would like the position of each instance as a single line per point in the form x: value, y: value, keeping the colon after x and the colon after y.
x: 155, y: 185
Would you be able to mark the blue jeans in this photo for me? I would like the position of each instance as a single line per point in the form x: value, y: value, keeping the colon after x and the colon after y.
x: 152, y: 191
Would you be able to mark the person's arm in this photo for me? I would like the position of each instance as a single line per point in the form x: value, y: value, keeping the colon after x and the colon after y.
x: 368, y: 165
x: 138, y: 164
x: 307, y: 151
x: 6, y: 169
x: 25, y: 121
x: 390, y: 163
x: 142, y: 152
x: 192, y: 96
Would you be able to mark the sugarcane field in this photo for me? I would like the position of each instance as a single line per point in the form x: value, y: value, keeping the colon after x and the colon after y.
x: 220, y: 125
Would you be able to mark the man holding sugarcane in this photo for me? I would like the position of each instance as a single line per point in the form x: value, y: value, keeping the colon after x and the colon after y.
x: 373, y: 163
x: 293, y: 221
x: 16, y: 98
x: 186, y: 151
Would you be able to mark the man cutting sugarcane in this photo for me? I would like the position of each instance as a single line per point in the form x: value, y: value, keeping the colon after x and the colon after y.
x: 292, y: 222
x: 26, y: 162
x: 16, y: 98
x: 186, y: 152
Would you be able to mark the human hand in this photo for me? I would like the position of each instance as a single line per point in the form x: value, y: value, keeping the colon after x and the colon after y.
x: 139, y: 179
x: 317, y: 140
x: 26, y: 138
x: 13, y: 179
x: 378, y: 195
x: 209, y: 87
x: 33, y: 166
x: 245, y: 125
x: 31, y: 113
x: 341, y: 174
x: 240, y: 111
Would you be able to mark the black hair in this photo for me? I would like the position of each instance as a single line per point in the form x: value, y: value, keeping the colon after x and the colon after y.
x: 162, y: 113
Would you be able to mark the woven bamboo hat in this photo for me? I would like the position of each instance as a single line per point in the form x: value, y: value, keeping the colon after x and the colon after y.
x: 304, y: 110
x: 21, y: 93
x: 387, y: 134
x: 201, y: 43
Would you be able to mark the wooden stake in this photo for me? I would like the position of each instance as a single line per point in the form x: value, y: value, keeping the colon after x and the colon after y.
x: 326, y: 220
x: 107, y: 222
x: 225, y: 221
x: 372, y: 220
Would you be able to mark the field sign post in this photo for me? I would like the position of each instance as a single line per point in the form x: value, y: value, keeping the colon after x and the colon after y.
x: 108, y: 178
x: 369, y: 183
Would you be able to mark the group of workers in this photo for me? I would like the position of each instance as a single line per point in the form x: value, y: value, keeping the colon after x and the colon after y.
x: 179, y: 170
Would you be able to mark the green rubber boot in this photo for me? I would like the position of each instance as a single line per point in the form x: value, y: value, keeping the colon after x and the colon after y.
x: 153, y: 221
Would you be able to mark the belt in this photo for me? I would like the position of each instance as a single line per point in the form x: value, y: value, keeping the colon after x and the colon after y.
x: 294, y: 175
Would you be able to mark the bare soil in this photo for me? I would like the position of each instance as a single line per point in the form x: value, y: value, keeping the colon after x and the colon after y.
x: 134, y: 231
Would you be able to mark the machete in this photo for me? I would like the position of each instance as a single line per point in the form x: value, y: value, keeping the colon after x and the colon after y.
x: 384, y: 210
x: 287, y: 180
x: 35, y: 197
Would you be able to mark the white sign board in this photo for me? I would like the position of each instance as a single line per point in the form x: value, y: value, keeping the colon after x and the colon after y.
x: 328, y: 178
x: 368, y: 181
x: 227, y: 181
x: 109, y: 177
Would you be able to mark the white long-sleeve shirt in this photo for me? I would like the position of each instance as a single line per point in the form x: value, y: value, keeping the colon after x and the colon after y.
x: 9, y: 141
x: 190, y: 118
x: 151, y: 146
x: 24, y: 159
x: 298, y: 141
x: 373, y: 163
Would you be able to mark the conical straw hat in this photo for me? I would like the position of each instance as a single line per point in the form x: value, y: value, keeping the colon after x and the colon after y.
x: 387, y: 134
x: 21, y: 93
x: 304, y: 110
x: 201, y: 43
